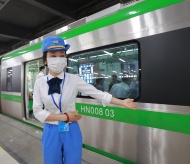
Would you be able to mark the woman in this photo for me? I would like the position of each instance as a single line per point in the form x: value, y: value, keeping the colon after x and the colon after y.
x: 56, y: 93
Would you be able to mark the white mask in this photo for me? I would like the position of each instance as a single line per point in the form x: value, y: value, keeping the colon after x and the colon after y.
x: 57, y: 64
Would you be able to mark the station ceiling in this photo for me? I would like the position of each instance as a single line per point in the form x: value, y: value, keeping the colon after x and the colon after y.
x: 24, y: 20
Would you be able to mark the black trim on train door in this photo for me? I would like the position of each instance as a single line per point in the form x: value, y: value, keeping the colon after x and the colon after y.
x: 0, y: 84
x: 24, y: 89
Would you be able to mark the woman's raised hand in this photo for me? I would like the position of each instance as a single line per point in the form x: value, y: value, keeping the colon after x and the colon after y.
x: 129, y: 103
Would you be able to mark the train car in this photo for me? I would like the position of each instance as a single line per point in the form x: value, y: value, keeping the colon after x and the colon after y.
x: 142, y: 48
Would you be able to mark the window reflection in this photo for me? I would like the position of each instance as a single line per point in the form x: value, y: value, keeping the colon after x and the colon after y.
x: 9, y: 79
x: 109, y: 69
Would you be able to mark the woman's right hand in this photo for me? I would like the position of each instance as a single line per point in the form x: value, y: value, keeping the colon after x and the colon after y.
x: 74, y: 116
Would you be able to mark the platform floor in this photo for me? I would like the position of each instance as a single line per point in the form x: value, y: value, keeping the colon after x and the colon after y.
x: 22, y: 143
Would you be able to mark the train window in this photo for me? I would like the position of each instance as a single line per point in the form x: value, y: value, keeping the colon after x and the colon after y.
x: 114, y: 69
x: 9, y: 79
x: 31, y: 71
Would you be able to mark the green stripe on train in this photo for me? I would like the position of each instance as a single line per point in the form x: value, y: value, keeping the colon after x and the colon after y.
x: 109, y: 155
x: 121, y: 15
x: 11, y: 97
x: 161, y: 120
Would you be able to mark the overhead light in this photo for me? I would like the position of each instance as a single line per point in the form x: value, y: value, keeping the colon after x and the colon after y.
x: 70, y: 67
x: 93, y: 56
x: 75, y: 60
x: 122, y: 60
x: 108, y: 53
x: 127, y: 50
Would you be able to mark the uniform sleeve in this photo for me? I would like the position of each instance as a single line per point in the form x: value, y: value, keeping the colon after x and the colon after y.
x: 90, y: 90
x: 40, y: 113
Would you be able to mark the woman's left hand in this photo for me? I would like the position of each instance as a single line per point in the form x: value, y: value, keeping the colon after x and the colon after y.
x: 129, y: 103
x: 78, y: 117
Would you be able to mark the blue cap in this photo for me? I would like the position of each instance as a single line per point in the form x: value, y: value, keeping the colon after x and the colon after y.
x: 53, y: 43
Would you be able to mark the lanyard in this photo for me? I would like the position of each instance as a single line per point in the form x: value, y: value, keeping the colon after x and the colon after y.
x: 60, y: 98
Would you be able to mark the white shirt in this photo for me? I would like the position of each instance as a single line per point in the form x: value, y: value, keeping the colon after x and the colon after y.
x: 41, y: 74
x: 72, y: 85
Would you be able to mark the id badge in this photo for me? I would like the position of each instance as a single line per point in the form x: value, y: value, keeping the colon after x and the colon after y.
x: 63, y: 126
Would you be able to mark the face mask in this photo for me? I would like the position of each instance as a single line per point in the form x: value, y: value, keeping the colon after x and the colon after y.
x: 57, y: 64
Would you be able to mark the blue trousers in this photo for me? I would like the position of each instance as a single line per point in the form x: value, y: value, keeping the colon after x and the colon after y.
x: 65, y: 147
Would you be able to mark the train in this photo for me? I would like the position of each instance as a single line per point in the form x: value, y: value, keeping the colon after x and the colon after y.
x: 145, y: 41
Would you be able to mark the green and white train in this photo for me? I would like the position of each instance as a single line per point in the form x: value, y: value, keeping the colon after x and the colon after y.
x: 147, y: 41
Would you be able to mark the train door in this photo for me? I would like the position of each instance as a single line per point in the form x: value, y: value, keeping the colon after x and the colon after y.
x: 31, y: 71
